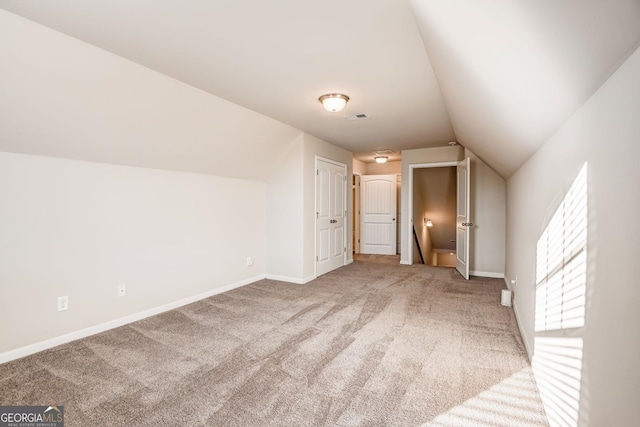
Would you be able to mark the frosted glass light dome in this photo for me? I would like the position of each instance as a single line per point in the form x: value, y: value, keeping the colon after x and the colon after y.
x: 334, y: 102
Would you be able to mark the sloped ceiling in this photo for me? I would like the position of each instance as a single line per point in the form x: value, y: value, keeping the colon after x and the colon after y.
x: 512, y: 71
x: 500, y: 76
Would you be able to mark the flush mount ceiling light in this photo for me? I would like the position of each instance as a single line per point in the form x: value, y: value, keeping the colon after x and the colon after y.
x: 381, y: 159
x: 333, y: 102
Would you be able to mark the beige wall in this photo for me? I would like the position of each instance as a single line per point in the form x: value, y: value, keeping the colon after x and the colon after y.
x: 389, y: 168
x: 489, y: 217
x: 437, y: 189
x: 359, y: 168
x: 422, y: 232
x: 604, y: 134
x: 446, y: 260
x: 420, y: 156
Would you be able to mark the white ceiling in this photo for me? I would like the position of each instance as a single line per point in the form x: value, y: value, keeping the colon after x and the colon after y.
x: 505, y: 76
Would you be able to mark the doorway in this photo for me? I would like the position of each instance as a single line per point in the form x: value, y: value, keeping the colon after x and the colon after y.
x: 442, y: 231
x: 434, y: 213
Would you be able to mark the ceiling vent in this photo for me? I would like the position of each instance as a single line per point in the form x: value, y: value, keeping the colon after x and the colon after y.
x: 359, y: 116
x: 383, y: 152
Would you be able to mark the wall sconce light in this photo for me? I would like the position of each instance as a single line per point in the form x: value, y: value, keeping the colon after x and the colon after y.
x: 381, y: 159
x: 333, y: 102
x: 428, y: 223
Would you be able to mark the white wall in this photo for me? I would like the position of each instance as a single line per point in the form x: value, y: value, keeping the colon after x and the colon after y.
x: 65, y: 98
x: 79, y: 229
x: 488, y: 214
x: 316, y: 147
x: 284, y: 215
x: 605, y: 134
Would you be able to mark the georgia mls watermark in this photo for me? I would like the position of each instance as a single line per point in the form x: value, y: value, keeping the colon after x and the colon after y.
x: 31, y: 416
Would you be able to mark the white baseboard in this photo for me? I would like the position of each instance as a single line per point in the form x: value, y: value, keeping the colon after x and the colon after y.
x: 308, y: 279
x: 487, y: 274
x: 403, y: 262
x: 288, y: 279
x: 92, y: 330
x: 522, y: 333
x: 349, y: 261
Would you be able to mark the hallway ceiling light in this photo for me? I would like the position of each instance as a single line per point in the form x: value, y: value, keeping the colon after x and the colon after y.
x: 428, y: 223
x: 381, y: 159
x: 333, y: 102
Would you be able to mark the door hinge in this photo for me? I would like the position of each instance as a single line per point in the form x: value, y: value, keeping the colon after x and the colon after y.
x: 317, y: 214
x: 316, y: 258
x: 317, y: 171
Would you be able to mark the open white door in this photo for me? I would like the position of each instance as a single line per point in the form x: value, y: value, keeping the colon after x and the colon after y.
x: 331, y: 186
x: 462, y: 220
x: 378, y: 214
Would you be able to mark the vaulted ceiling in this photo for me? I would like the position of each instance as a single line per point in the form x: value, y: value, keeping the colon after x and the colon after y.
x: 498, y: 76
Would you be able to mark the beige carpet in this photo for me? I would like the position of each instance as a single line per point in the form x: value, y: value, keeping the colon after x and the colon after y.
x: 371, y: 344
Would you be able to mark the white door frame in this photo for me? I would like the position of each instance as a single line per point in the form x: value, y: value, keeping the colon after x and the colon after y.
x: 356, y: 213
x: 393, y: 180
x: 315, y: 219
x: 409, y: 229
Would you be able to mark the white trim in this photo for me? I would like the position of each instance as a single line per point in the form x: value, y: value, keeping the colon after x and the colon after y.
x: 522, y: 333
x: 403, y: 262
x: 350, y: 261
x: 524, y: 336
x: 487, y: 274
x: 289, y: 279
x: 308, y: 279
x: 10, y: 355
x: 409, y: 224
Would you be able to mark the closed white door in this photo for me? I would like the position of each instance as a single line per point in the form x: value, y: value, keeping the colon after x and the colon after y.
x: 462, y: 219
x: 331, y: 213
x: 378, y: 214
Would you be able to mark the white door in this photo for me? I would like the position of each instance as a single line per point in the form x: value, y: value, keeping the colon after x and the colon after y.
x: 378, y: 214
x: 331, y: 213
x: 356, y: 214
x: 462, y: 220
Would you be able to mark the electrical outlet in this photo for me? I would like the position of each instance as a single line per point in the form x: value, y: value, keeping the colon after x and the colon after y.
x: 63, y: 303
x: 249, y: 261
x: 122, y: 289
x: 514, y: 282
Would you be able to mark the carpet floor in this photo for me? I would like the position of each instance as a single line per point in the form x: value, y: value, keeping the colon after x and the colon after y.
x: 370, y: 344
